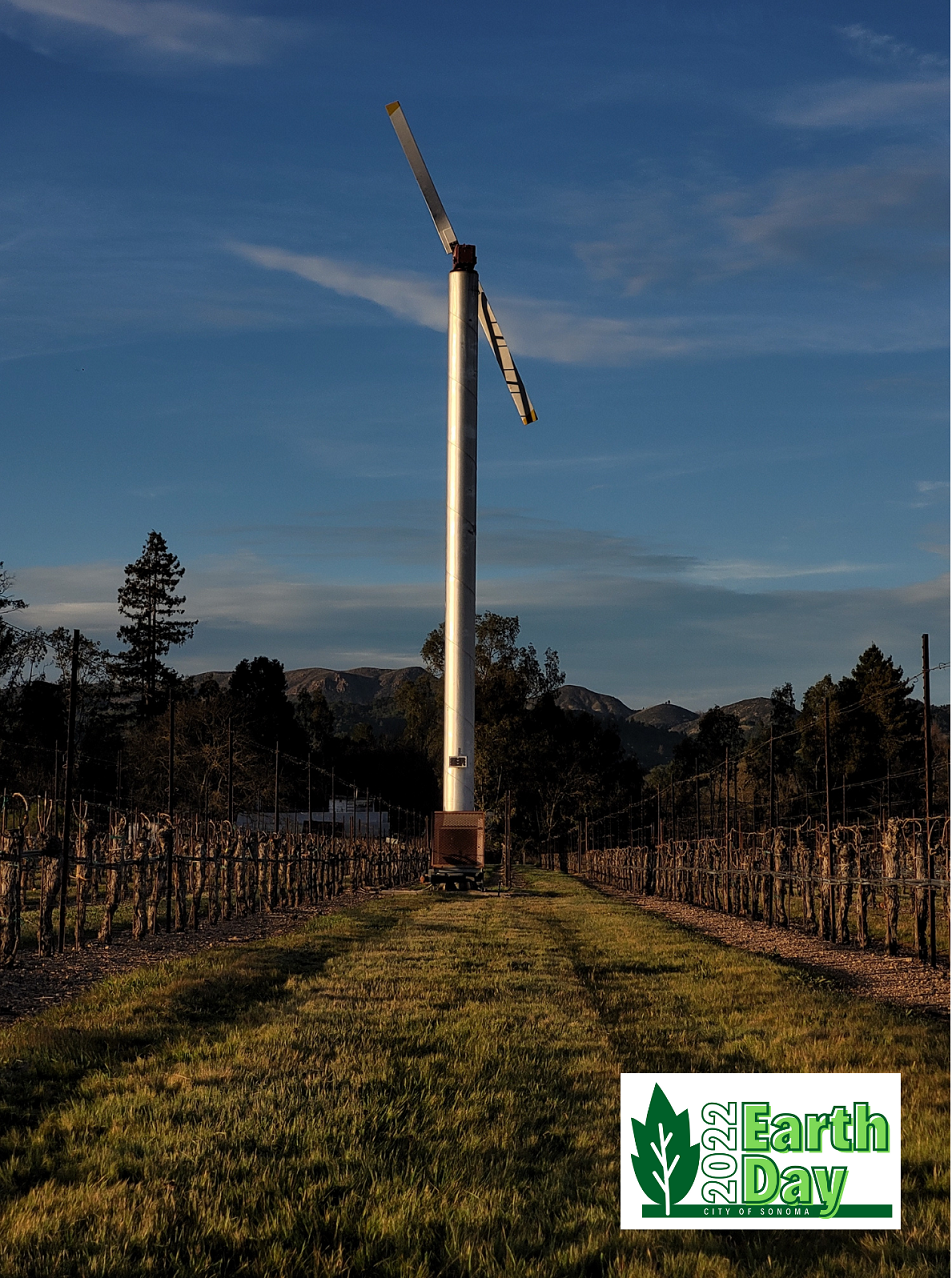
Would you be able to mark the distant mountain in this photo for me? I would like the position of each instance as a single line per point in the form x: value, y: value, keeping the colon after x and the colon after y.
x: 651, y: 745
x: 667, y: 716
x: 754, y: 713
x: 361, y: 686
x: 571, y: 697
x: 652, y: 734
x: 365, y: 694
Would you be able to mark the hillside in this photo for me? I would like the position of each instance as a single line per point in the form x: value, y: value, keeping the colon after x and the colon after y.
x: 572, y: 697
x: 361, y: 686
x: 650, y: 744
x: 667, y: 716
x: 753, y: 713
x: 364, y: 695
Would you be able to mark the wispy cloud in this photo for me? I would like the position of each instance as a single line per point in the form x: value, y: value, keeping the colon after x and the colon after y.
x: 643, y: 639
x: 411, y: 534
x: 408, y: 296
x: 864, y: 222
x: 880, y: 49
x: 161, y: 28
x: 533, y: 327
x: 545, y: 330
x: 754, y: 570
x: 930, y: 492
x: 864, y: 104
x: 512, y: 543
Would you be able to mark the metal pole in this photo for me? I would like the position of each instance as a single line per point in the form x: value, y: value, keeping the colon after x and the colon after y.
x: 171, y: 843
x: 459, y: 684
x: 927, y: 742
x: 68, y: 791
x: 773, y: 807
x: 310, y: 808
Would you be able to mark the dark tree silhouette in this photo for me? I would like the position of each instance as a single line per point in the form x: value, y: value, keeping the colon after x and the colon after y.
x: 147, y: 597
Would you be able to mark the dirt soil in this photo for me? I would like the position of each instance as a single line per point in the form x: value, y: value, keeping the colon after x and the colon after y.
x: 901, y: 980
x: 32, y: 983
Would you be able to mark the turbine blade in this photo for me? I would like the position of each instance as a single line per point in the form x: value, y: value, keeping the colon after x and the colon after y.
x: 421, y: 173
x: 505, y: 361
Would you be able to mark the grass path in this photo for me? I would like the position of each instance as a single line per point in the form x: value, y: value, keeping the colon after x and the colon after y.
x: 424, y: 1085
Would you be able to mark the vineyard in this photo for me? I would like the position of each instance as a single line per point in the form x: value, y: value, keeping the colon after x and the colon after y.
x: 882, y: 885
x: 142, y: 874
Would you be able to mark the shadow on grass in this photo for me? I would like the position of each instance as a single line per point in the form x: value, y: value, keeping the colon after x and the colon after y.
x: 43, y: 1060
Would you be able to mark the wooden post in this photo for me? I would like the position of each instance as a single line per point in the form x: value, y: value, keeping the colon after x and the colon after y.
x: 927, y: 745
x: 891, y: 889
x: 828, y: 911
x: 68, y: 791
x: 170, y: 841
x: 231, y: 784
x: 772, y: 801
x: 277, y: 767
x: 508, y: 848
x: 333, y: 820
x: 862, y: 896
x: 727, y: 830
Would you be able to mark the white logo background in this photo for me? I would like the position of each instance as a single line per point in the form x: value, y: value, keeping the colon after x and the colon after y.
x: 872, y: 1177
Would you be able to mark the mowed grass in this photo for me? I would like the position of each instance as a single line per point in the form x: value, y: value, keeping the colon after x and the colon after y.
x: 425, y: 1085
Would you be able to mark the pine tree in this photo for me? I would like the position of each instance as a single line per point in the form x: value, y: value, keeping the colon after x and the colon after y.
x: 148, y: 599
x: 8, y: 637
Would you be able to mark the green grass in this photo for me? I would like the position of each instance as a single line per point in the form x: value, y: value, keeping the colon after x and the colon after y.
x: 424, y: 1085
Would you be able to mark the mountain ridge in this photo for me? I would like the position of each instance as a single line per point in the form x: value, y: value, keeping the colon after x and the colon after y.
x: 651, y: 734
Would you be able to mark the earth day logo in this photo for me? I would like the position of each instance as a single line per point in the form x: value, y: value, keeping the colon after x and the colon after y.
x: 667, y: 1168
x: 760, y: 1151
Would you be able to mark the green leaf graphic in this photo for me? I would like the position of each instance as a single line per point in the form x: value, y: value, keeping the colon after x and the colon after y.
x: 666, y: 1162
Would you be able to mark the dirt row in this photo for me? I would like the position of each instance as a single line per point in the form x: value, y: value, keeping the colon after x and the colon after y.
x: 901, y: 980
x: 31, y: 983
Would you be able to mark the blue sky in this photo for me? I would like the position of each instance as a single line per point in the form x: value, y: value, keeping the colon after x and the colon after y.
x: 714, y: 234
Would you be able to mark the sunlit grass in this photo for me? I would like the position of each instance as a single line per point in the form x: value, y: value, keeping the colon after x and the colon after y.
x: 424, y: 1085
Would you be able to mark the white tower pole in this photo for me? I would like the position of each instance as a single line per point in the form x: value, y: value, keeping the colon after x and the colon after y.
x: 459, y: 683
x: 469, y: 305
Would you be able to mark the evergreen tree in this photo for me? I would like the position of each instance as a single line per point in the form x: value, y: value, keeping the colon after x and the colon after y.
x: 259, y: 695
x: 8, y: 637
x: 148, y: 599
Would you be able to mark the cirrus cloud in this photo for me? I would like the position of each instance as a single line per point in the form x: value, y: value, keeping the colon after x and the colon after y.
x: 159, y: 28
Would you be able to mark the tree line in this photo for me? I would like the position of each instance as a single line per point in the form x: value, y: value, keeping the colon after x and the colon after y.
x: 854, y: 753
x: 241, y: 744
